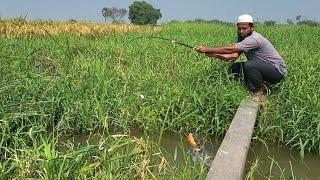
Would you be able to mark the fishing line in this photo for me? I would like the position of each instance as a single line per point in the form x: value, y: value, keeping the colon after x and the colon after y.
x: 50, y: 35
x: 169, y: 40
x: 162, y: 38
x: 39, y: 48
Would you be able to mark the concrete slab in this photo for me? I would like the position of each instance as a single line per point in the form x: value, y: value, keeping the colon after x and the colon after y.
x: 231, y: 157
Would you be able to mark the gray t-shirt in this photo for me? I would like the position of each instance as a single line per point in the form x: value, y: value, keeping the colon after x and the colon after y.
x: 258, y: 47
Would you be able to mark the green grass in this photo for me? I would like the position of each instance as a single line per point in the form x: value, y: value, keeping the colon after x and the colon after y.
x: 75, y: 84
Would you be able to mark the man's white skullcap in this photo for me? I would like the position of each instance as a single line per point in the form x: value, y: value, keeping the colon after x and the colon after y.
x: 245, y: 18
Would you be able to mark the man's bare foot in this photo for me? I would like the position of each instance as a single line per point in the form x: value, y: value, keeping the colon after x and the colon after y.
x: 257, y: 95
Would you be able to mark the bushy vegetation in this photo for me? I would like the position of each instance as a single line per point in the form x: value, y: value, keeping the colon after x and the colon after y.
x: 142, y: 13
x: 60, y: 83
x: 269, y: 23
x: 308, y: 22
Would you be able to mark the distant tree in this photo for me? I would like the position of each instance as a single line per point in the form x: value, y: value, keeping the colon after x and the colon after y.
x: 298, y: 17
x: 269, y: 23
x: 289, y: 21
x: 115, y: 14
x: 212, y: 21
x: 199, y: 20
x: 309, y: 23
x: 174, y: 21
x: 143, y: 13
x: 72, y: 21
x: 105, y: 12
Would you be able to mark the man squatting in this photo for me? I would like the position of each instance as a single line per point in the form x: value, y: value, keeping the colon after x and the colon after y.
x: 264, y: 64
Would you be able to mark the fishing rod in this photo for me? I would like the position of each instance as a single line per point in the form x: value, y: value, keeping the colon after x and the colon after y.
x: 165, y: 39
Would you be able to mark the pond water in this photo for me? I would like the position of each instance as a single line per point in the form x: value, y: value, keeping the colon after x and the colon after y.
x: 270, y: 163
x: 286, y: 163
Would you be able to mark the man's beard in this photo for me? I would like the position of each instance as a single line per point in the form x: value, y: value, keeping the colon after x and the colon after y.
x: 241, y: 38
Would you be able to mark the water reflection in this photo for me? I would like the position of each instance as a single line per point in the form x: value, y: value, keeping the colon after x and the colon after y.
x: 265, y: 163
x: 275, y: 162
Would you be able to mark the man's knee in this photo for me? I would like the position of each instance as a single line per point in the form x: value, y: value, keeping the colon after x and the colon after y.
x: 248, y: 65
x: 236, y: 69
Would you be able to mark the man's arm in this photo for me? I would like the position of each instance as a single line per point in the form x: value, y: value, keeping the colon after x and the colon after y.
x: 223, y: 53
x: 219, y: 50
x: 224, y: 57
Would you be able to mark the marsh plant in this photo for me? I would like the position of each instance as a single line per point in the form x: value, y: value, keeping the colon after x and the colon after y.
x: 58, y: 77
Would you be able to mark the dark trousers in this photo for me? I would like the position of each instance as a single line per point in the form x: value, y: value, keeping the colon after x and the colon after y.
x: 256, y: 73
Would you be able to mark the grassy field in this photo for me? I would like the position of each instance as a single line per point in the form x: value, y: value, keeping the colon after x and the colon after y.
x: 71, y: 78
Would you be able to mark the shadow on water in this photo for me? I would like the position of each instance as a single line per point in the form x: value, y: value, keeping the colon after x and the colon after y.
x: 262, y: 163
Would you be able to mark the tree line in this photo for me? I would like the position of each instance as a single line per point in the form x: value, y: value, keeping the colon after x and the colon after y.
x: 143, y: 13
x: 139, y: 13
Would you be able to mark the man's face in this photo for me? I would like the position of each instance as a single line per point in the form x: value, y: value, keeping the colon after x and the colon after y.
x: 244, y: 30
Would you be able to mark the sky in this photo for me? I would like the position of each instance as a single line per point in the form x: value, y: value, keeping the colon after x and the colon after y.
x: 226, y: 10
